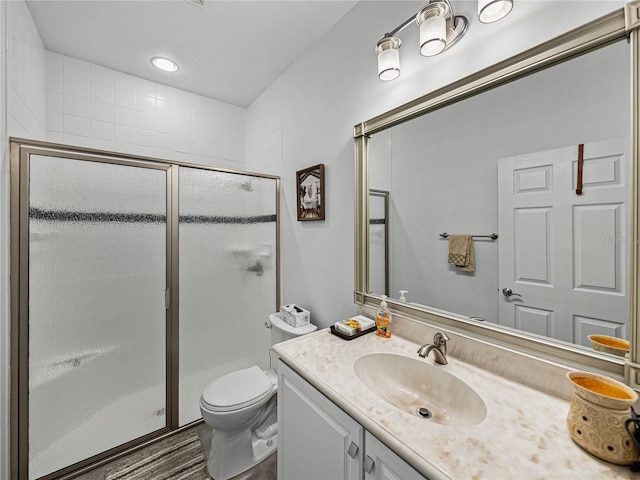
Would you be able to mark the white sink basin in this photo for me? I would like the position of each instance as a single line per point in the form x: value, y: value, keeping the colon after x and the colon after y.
x: 410, y: 384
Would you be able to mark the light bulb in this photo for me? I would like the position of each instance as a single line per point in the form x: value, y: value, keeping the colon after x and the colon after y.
x: 388, y: 50
x: 493, y: 10
x: 164, y: 64
x: 433, y: 35
x: 389, y: 64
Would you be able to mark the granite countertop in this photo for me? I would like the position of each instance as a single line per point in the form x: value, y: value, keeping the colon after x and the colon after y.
x: 523, y: 436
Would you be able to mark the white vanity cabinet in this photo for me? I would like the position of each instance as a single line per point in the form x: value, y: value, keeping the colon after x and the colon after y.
x: 381, y: 463
x: 319, y: 441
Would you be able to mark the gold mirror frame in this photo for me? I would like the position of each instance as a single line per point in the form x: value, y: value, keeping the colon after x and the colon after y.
x: 619, y: 25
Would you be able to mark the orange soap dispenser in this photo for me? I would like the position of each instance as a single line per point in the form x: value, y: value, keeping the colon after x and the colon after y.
x: 383, y: 319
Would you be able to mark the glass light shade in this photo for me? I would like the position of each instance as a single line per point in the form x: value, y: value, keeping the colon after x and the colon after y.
x: 389, y: 64
x: 433, y: 35
x: 493, y: 10
x: 164, y: 64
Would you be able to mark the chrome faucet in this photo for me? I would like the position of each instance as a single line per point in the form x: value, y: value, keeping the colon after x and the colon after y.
x: 439, y: 348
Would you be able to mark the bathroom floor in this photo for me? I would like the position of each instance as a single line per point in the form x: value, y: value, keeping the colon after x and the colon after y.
x: 266, y: 470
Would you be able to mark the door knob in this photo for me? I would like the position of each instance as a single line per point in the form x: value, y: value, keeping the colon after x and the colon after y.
x: 507, y: 292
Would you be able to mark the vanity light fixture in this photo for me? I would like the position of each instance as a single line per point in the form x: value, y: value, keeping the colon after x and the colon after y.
x: 164, y: 64
x: 440, y: 29
x: 490, y: 11
x: 388, y: 50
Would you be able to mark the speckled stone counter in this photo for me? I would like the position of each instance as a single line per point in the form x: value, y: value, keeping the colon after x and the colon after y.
x: 523, y: 435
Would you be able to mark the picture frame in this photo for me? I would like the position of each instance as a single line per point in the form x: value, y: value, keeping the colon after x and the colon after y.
x: 310, y: 193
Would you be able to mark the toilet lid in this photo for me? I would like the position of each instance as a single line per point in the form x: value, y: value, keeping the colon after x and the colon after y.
x: 237, y: 389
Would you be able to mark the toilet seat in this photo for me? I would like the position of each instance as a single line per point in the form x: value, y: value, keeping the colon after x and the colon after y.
x: 237, y: 390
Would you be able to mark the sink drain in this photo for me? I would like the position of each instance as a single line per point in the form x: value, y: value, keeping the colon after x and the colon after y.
x: 424, y: 412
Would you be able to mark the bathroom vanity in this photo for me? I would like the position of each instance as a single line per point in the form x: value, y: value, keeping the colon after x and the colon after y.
x: 332, y: 425
x: 317, y: 432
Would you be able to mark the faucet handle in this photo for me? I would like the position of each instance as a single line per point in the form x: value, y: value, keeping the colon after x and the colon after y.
x: 440, y: 338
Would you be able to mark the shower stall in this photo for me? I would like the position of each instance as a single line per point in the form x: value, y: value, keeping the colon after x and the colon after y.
x: 135, y: 282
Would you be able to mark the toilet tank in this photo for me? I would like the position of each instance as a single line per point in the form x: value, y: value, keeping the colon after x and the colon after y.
x: 281, y: 330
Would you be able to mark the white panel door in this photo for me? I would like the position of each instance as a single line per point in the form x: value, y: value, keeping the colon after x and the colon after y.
x: 564, y: 255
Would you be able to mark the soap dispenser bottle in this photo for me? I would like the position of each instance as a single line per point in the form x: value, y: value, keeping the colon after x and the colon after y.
x: 383, y: 319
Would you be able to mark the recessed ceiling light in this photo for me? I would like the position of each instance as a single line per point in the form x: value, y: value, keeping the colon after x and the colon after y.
x: 164, y: 64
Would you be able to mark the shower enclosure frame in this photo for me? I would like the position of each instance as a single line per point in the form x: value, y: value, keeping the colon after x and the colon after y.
x: 20, y: 150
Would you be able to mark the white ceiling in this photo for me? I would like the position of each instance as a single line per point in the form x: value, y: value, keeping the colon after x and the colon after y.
x: 228, y: 50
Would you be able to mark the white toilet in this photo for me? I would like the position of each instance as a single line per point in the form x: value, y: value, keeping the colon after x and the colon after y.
x: 241, y: 408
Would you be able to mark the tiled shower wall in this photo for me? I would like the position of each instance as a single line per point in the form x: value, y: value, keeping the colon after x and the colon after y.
x: 25, y: 75
x: 23, y: 80
x: 97, y: 107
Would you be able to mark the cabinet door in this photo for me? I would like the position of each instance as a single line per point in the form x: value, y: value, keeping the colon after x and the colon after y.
x: 316, y: 439
x: 380, y: 463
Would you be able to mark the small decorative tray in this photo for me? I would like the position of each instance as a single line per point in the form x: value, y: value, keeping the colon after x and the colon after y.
x: 351, y: 337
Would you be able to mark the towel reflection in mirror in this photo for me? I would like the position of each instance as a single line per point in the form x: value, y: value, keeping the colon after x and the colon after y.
x: 461, y: 252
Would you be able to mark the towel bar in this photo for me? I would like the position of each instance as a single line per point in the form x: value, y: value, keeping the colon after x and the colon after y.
x: 493, y: 236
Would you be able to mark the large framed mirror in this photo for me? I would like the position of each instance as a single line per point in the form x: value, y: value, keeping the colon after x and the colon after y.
x: 532, y: 164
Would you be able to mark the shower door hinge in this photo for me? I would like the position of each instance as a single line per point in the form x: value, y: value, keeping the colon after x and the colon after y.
x: 167, y: 299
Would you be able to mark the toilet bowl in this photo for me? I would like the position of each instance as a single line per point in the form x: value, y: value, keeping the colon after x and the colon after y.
x: 240, y: 407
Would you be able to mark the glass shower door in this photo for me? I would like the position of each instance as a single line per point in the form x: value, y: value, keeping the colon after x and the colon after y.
x: 228, y: 277
x: 97, y: 318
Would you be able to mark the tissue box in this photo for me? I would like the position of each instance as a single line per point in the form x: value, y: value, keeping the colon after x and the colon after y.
x: 294, y: 315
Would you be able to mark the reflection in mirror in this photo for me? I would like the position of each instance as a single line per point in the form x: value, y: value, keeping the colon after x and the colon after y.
x: 506, y: 161
x: 378, y: 240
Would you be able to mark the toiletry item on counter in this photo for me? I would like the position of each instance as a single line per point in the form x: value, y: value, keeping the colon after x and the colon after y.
x: 383, y: 319
x: 403, y: 298
x: 354, y: 325
x: 295, y: 315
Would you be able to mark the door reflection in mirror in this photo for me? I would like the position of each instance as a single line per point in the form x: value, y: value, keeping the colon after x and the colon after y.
x: 442, y: 172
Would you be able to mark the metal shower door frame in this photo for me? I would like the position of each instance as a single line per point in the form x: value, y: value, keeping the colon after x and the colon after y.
x: 21, y: 149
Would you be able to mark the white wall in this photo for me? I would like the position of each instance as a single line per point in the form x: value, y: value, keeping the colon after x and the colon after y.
x: 264, y: 131
x: 92, y: 106
x: 334, y: 86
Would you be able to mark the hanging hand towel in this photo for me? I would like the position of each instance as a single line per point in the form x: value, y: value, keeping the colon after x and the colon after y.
x: 461, y: 252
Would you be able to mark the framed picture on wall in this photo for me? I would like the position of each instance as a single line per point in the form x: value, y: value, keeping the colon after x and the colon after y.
x: 310, y: 182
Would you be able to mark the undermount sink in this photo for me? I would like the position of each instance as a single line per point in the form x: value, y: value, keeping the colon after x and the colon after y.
x: 420, y: 388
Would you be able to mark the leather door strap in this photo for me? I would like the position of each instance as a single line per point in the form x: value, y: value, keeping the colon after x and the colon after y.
x: 580, y: 167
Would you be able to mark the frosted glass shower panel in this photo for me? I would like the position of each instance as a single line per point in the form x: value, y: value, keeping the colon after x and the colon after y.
x: 97, y: 328
x: 227, y: 277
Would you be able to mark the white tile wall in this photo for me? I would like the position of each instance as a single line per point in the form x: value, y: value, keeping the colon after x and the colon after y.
x: 26, y: 114
x: 23, y: 114
x: 90, y: 105
x: 264, y: 131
